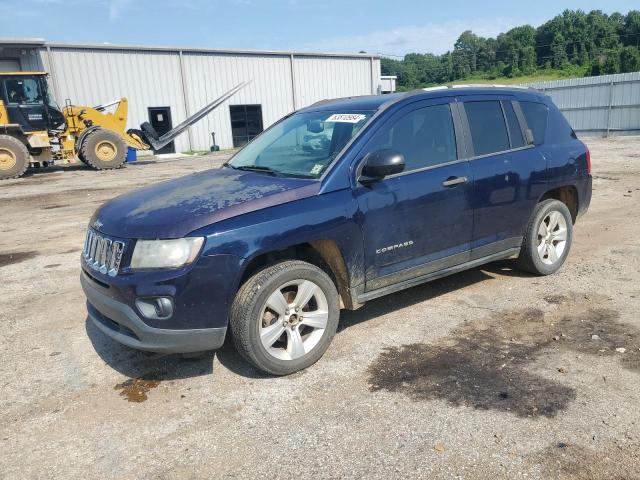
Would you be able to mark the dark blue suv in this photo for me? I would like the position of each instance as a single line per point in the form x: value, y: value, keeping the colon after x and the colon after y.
x: 335, y: 205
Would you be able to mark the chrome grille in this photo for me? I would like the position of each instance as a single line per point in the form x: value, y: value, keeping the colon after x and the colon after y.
x: 102, y: 253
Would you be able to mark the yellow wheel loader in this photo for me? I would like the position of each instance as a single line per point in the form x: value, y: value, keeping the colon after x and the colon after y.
x: 34, y: 130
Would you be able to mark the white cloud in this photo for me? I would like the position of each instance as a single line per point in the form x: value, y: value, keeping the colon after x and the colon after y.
x: 429, y: 38
x: 117, y: 7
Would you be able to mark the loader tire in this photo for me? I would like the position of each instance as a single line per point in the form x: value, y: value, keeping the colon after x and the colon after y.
x: 103, y: 149
x: 14, y: 157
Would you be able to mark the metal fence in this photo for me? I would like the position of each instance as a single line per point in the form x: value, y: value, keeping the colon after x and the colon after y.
x: 605, y: 105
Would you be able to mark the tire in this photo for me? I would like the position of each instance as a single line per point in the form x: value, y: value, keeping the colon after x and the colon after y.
x: 258, y: 315
x: 103, y: 149
x: 545, y: 249
x: 14, y: 157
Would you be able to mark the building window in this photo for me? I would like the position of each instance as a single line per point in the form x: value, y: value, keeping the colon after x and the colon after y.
x: 246, y: 123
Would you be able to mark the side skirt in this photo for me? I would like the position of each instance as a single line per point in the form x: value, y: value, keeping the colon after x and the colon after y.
x: 366, y: 296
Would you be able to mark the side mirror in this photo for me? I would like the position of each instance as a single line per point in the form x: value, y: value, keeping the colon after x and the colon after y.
x: 528, y: 136
x: 380, y: 164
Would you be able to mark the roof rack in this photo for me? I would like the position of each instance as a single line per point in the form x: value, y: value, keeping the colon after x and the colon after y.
x: 476, y: 85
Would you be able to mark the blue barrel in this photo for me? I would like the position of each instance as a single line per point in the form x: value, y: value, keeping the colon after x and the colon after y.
x: 131, y: 154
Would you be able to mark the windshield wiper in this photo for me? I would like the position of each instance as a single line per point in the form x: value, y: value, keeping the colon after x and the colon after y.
x: 257, y: 168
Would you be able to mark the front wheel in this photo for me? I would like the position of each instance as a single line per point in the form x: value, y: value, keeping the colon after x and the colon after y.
x: 548, y: 238
x: 14, y: 157
x: 103, y: 149
x: 285, y: 316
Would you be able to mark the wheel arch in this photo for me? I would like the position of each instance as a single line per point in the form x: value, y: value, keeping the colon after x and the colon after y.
x: 567, y: 194
x: 83, y: 137
x: 324, y: 254
x: 15, y: 131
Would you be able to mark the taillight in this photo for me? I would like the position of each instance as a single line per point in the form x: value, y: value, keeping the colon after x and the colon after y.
x: 588, y: 158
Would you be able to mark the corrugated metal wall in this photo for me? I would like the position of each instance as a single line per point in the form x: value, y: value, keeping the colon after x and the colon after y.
x: 153, y: 78
x: 604, y: 105
x: 209, y: 76
x: 312, y: 83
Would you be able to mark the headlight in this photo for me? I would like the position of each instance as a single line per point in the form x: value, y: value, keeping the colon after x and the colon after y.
x: 166, y: 253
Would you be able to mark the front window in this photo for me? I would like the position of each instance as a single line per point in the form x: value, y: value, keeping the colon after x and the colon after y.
x: 24, y: 91
x: 303, y: 145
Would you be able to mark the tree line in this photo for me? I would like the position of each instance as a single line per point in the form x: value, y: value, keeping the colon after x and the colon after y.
x: 573, y: 43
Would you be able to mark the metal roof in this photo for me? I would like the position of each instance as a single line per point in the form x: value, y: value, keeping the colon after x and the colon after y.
x: 22, y: 42
x: 30, y: 42
x: 23, y: 73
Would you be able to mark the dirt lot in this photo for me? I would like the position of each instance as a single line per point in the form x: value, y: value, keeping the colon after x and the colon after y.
x: 487, y: 374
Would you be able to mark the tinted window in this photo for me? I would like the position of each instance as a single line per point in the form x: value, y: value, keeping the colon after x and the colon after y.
x: 515, y: 132
x: 246, y: 123
x: 488, y: 130
x: 425, y: 137
x: 536, y: 116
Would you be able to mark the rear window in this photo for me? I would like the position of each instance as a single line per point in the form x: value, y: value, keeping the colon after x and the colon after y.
x: 536, y: 115
x: 488, y: 130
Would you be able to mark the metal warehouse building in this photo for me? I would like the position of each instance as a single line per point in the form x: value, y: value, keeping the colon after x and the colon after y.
x: 164, y: 85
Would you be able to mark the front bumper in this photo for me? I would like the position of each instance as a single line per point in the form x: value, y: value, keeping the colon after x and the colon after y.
x: 120, y: 322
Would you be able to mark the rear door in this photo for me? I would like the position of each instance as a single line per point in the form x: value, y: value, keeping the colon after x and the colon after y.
x: 509, y: 174
x: 420, y: 220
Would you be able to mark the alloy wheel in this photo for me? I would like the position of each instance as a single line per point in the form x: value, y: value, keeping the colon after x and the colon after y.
x: 293, y: 319
x: 552, y: 237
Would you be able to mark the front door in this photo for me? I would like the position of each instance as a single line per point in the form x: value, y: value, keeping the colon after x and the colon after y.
x: 160, y: 119
x: 419, y: 221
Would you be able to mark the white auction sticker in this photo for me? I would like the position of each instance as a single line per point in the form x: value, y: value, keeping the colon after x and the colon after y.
x: 346, y: 117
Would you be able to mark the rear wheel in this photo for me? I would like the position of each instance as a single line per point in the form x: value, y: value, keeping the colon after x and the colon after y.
x: 103, y: 149
x: 548, y: 238
x: 14, y: 157
x: 285, y: 316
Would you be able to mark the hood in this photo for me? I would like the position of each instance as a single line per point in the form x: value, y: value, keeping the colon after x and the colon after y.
x: 175, y: 208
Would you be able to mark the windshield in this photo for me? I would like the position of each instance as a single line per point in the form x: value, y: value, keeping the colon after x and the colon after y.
x: 303, y: 145
x: 24, y: 91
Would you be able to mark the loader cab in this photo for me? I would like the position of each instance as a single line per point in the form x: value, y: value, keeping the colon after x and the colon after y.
x: 28, y: 103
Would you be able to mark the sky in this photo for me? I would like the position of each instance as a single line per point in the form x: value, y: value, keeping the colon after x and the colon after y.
x: 389, y: 27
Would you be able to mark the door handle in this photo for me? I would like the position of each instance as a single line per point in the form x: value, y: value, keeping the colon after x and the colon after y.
x: 453, y: 181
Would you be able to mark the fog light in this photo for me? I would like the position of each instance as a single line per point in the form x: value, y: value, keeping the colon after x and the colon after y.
x: 155, y: 308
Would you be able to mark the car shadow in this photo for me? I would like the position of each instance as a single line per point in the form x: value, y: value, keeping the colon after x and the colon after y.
x: 153, y: 366
x: 145, y: 365
x: 411, y: 296
x: 506, y: 268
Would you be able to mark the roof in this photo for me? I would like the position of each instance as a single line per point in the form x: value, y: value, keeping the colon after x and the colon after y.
x: 23, y: 73
x: 21, y: 42
x: 376, y: 102
x: 361, y: 103
x: 31, y: 42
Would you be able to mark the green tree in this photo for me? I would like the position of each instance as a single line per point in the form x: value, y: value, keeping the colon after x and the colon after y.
x: 630, y: 32
x: 629, y: 59
x: 574, y: 42
x: 516, y: 49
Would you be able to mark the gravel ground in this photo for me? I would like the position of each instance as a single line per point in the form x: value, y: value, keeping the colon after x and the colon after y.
x: 486, y: 374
